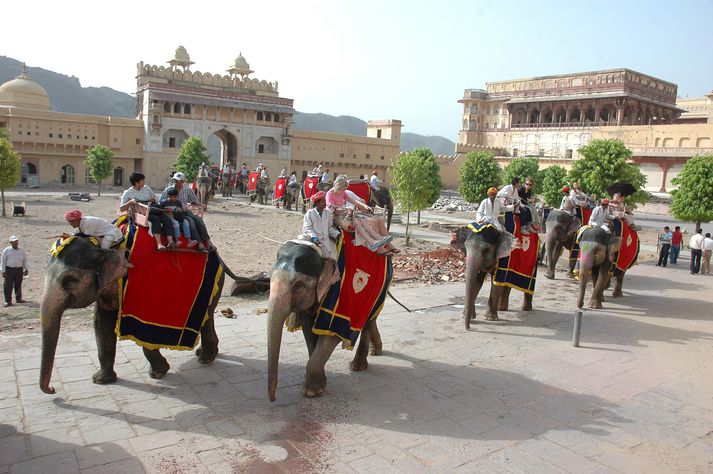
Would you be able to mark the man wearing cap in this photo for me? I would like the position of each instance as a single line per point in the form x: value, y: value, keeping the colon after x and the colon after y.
x: 108, y: 234
x: 13, y: 266
x: 601, y: 216
x: 490, y: 208
x: 318, y: 226
x: 187, y: 196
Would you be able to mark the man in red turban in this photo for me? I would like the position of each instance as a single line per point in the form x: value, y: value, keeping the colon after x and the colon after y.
x: 107, y: 234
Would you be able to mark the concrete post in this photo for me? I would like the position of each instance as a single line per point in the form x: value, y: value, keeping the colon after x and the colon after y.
x: 577, y: 327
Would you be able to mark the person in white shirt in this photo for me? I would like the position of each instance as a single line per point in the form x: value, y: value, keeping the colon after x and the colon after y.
x: 259, y: 167
x: 325, y: 177
x: 707, y: 248
x: 374, y: 182
x: 317, y: 226
x: 579, y: 197
x: 510, y: 193
x: 490, y: 208
x: 349, y: 204
x: 13, y: 266
x: 568, y: 203
x: 696, y: 244
x: 283, y: 173
x: 263, y: 174
x: 108, y: 234
x: 601, y: 216
x: 317, y: 170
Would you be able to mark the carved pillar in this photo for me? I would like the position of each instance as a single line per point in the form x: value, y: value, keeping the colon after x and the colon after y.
x: 568, y: 114
x: 555, y: 109
x: 597, y: 109
x: 619, y: 114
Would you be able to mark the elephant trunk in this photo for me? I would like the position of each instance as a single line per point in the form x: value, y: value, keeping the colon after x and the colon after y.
x: 50, y: 318
x: 279, y: 308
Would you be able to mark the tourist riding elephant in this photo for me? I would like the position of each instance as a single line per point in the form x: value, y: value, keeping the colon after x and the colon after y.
x: 298, y: 280
x: 561, y: 229
x: 480, y: 249
x: 261, y: 189
x: 597, y: 248
x: 382, y: 197
x: 83, y: 274
x: 226, y: 184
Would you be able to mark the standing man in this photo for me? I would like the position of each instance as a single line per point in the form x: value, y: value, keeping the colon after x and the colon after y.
x: 696, y: 244
x: 13, y: 266
x: 665, y: 242
x: 676, y: 241
x: 707, y: 251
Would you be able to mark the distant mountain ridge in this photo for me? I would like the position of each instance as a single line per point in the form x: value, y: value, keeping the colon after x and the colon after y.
x: 67, y: 95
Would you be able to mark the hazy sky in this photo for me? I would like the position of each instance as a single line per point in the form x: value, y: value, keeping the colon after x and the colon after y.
x: 373, y: 59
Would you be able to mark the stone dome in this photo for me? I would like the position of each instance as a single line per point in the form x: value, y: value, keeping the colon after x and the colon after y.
x: 24, y: 92
x: 180, y: 58
x: 240, y: 66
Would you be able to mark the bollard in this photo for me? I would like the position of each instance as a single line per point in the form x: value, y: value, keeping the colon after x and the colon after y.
x: 577, y: 328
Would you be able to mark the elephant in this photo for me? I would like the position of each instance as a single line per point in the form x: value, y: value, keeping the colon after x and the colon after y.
x: 561, y: 230
x: 227, y: 184
x: 382, y: 197
x: 261, y: 190
x: 480, y: 250
x: 298, y: 281
x: 84, y: 274
x: 203, y: 183
x: 597, y: 248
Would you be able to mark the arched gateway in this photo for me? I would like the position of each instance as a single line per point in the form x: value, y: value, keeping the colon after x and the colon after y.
x: 240, y: 119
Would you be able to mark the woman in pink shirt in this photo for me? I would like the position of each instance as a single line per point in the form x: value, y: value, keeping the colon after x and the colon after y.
x: 370, y: 231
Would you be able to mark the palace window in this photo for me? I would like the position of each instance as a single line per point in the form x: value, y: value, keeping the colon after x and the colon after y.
x: 259, y: 116
x: 187, y: 109
x: 341, y: 155
x: 514, y: 152
x: 66, y: 174
x: 261, y: 148
x: 138, y: 141
x: 542, y: 152
x: 166, y: 107
x: 176, y: 108
x: 277, y: 117
x: 368, y: 156
x: 51, y: 135
x: 268, y: 117
x: 172, y: 142
x: 568, y: 154
x: 378, y: 133
x: 382, y: 157
x: 60, y: 135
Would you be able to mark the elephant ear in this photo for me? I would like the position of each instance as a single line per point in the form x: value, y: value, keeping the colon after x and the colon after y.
x: 113, y: 267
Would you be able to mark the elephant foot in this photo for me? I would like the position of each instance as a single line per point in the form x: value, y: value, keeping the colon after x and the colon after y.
x: 526, y: 307
x: 571, y: 275
x: 549, y: 275
x: 595, y: 304
x: 491, y: 317
x: 617, y: 294
x: 503, y: 307
x: 580, y: 304
x: 160, y: 371
x: 375, y: 350
x: 314, y: 386
x: 205, y: 356
x: 103, y: 377
x: 358, y: 364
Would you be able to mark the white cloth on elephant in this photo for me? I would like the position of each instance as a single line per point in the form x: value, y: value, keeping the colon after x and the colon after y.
x: 489, y: 210
x: 321, y: 226
x: 568, y: 204
x: 98, y: 227
x: 510, y: 193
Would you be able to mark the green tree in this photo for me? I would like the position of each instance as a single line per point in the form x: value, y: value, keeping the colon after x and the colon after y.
x: 479, y: 172
x: 99, y: 163
x: 605, y: 162
x: 3, y: 134
x: 554, y: 178
x: 192, y: 154
x: 693, y: 200
x: 522, y: 168
x: 10, y: 168
x: 417, y: 182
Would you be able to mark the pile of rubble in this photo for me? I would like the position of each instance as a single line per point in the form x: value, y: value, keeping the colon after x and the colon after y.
x: 436, y: 266
x: 452, y: 203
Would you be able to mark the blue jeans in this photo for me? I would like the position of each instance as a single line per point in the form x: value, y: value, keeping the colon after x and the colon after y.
x: 177, y: 228
x: 675, y: 249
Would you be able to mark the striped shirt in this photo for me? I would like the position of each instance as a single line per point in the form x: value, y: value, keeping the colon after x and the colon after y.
x: 143, y: 195
x: 185, y: 195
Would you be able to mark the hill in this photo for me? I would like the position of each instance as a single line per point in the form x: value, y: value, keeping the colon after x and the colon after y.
x: 67, y: 95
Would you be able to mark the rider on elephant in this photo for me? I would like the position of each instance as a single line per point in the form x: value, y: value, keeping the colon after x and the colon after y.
x: 318, y: 228
x: 579, y: 197
x: 488, y: 213
x: 264, y: 174
x: 283, y: 173
x: 370, y: 230
x: 109, y: 235
x: 602, y: 216
x: 528, y: 211
x: 187, y: 196
x: 374, y: 182
x: 568, y: 201
x: 510, y: 195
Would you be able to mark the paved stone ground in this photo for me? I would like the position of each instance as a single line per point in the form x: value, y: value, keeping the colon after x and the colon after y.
x: 509, y: 396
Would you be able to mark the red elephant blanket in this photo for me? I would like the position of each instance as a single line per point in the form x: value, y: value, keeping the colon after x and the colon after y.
x: 519, y: 269
x: 252, y: 182
x: 166, y: 296
x: 309, y: 187
x: 280, y: 184
x: 359, y: 295
x: 628, y: 252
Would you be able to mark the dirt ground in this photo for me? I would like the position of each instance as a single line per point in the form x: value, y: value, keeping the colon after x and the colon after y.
x: 247, y: 236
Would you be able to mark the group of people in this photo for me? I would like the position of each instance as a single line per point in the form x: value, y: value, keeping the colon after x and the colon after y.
x: 701, y: 249
x: 512, y: 197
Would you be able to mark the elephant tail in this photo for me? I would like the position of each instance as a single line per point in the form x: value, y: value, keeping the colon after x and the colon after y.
x: 228, y: 271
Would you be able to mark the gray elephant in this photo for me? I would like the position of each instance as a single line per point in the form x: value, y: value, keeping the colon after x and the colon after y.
x: 561, y: 230
x: 597, y: 249
x: 83, y: 274
x: 480, y: 249
x: 299, y: 279
x: 203, y: 185
x: 261, y: 190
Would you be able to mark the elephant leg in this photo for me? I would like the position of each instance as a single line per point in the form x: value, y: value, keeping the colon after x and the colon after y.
x: 595, y: 301
x: 491, y: 314
x: 315, y: 378
x: 474, y: 281
x: 583, y: 280
x: 504, y: 300
x: 360, y: 362
x: 104, y: 324
x: 208, y: 349
x: 307, y: 321
x: 553, y: 249
x: 571, y: 264
x: 159, y: 364
x: 527, y: 302
x: 375, y: 339
x: 619, y: 281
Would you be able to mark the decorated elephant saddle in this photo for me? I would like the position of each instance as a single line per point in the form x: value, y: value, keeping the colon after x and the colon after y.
x: 60, y: 244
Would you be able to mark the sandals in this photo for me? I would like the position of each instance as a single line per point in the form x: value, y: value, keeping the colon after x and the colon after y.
x: 192, y: 244
x: 161, y: 248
